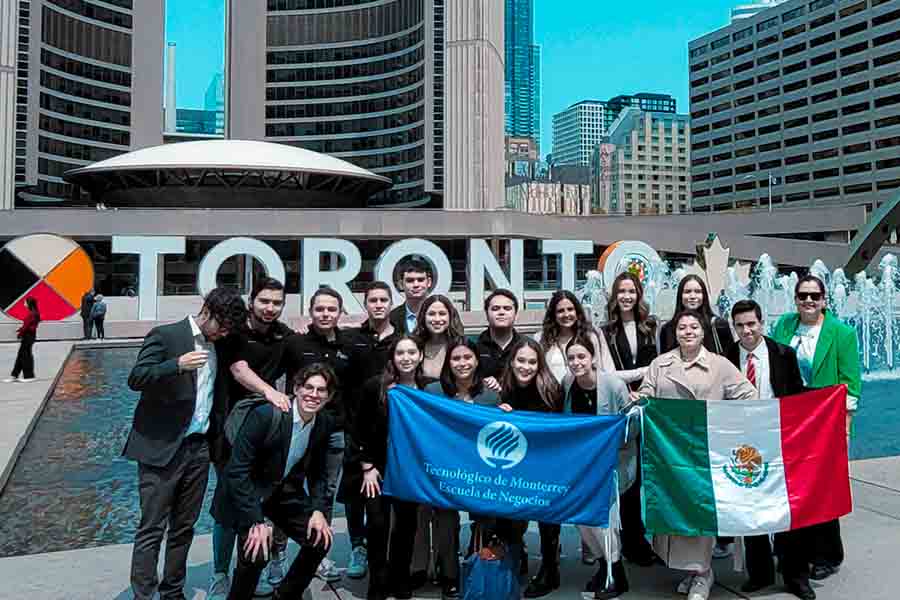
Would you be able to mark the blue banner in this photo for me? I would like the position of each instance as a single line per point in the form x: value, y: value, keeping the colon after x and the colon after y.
x: 520, y: 465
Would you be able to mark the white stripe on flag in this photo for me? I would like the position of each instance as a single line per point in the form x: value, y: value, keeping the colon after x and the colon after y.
x: 747, y: 502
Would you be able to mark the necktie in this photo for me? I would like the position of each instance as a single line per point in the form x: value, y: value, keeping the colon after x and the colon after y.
x: 751, y: 369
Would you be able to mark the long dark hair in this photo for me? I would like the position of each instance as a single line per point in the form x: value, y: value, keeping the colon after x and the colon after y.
x: 644, y: 321
x: 547, y: 387
x: 705, y: 306
x: 455, y: 327
x: 32, y: 304
x: 550, y: 328
x: 389, y: 376
x: 448, y: 380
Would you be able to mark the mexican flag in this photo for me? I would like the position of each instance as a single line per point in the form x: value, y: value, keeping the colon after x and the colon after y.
x: 732, y: 468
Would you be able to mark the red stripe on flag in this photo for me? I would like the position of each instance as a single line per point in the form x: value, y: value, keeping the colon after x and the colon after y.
x: 814, y: 445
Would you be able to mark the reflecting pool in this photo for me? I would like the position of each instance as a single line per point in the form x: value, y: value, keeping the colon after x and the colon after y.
x: 71, y: 488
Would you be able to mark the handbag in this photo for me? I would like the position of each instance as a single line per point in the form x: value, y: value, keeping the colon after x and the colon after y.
x: 492, y: 571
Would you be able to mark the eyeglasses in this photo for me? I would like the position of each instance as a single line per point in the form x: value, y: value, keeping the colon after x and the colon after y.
x: 814, y: 296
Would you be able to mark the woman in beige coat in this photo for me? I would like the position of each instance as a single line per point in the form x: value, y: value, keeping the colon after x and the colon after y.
x: 692, y: 372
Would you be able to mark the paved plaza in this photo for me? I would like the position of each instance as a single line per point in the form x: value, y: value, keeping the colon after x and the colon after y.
x: 871, y: 533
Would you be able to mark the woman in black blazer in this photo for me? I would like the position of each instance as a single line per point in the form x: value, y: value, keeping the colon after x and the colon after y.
x: 631, y: 336
x: 692, y: 293
x: 369, y: 442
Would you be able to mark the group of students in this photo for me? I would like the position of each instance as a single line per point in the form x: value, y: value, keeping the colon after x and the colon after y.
x: 286, y: 456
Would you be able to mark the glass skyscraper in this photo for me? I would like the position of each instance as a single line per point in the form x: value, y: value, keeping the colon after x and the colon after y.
x: 523, y: 72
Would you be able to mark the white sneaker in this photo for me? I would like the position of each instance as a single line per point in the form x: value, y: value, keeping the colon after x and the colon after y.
x: 27, y: 380
x: 684, y: 586
x: 722, y: 551
x: 10, y: 380
x: 276, y: 568
x: 328, y: 571
x: 263, y: 587
x: 219, y: 586
x: 701, y: 586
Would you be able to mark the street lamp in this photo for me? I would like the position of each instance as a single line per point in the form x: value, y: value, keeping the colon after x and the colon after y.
x: 773, y: 180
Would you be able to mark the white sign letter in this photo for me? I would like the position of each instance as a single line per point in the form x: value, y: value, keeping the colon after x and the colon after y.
x: 482, y: 262
x: 149, y: 249
x: 313, y: 277
x: 566, y: 250
x: 209, y: 266
x: 442, y: 274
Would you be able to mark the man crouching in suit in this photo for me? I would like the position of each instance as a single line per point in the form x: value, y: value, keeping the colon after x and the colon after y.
x: 177, y: 422
x: 262, y: 485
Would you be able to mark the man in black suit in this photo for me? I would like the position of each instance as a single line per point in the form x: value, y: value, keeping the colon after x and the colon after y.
x: 87, y: 304
x: 415, y: 283
x: 272, y: 456
x: 176, y: 425
x: 773, y: 369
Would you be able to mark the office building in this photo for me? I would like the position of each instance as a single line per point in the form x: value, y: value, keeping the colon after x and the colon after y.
x: 196, y: 121
x: 799, y: 103
x: 645, y: 166
x: 368, y: 82
x: 522, y: 65
x: 745, y: 11
x: 578, y: 129
x: 8, y: 57
x: 522, y: 160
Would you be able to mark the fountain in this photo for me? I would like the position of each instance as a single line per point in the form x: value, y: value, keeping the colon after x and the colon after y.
x: 866, y: 303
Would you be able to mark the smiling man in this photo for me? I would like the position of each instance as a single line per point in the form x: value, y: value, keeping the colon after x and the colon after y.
x: 415, y: 283
x: 274, y: 454
x: 495, y: 342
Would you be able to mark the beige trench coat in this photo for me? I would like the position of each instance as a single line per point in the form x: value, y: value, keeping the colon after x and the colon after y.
x: 708, y: 377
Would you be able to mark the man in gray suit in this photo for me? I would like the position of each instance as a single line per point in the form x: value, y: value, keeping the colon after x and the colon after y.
x: 178, y: 423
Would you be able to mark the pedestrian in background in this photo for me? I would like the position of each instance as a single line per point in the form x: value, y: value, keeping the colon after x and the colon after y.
x: 23, y: 370
x: 87, y: 303
x: 98, y: 315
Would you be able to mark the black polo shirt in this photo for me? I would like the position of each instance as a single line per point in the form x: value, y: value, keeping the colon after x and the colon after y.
x: 371, y: 352
x: 491, y: 358
x: 303, y: 350
x: 263, y: 352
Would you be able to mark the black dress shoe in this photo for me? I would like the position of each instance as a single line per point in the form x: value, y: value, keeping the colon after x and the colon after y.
x: 643, y: 556
x: 801, y: 589
x: 598, y: 581
x: 449, y: 591
x: 618, y: 587
x: 751, y: 586
x: 820, y: 572
x: 544, y: 582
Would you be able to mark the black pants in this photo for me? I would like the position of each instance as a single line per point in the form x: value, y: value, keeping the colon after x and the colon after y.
x: 549, y: 533
x: 633, y: 531
x: 171, y: 498
x: 355, y: 510
x: 390, y: 573
x: 825, y: 545
x: 98, y: 323
x: 25, y: 358
x: 291, y: 514
x: 792, y: 550
x: 88, y: 326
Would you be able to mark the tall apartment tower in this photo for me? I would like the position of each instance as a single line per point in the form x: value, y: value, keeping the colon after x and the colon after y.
x: 523, y: 71
x: 577, y: 131
x: 745, y: 11
x: 89, y: 86
x: 8, y: 20
x: 799, y: 104
x: 475, y: 161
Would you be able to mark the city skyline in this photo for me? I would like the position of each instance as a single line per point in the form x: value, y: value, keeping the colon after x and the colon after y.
x: 569, y: 47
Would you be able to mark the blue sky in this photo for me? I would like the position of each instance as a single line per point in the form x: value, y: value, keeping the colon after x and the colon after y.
x: 198, y: 29
x: 591, y: 48
x: 601, y: 48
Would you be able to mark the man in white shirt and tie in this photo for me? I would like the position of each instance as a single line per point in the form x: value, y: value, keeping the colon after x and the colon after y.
x: 773, y: 369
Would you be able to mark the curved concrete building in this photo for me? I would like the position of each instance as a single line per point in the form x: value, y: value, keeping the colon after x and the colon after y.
x: 356, y: 80
x: 76, y: 77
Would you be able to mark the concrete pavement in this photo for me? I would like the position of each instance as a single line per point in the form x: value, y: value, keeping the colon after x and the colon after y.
x: 871, y: 534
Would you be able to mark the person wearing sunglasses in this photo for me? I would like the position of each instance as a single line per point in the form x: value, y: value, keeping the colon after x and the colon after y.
x: 827, y: 354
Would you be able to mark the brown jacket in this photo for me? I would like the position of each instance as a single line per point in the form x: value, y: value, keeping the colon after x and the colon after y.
x: 708, y: 377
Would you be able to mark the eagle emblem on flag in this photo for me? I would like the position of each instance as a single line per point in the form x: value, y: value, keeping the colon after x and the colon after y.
x: 747, y: 468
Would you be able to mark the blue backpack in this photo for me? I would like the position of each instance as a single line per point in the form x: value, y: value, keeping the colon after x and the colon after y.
x: 492, y: 573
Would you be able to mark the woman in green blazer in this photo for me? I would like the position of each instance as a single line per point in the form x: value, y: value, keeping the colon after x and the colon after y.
x: 827, y: 354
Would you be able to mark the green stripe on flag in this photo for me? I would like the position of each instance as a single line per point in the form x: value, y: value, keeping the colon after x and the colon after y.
x: 678, y: 491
